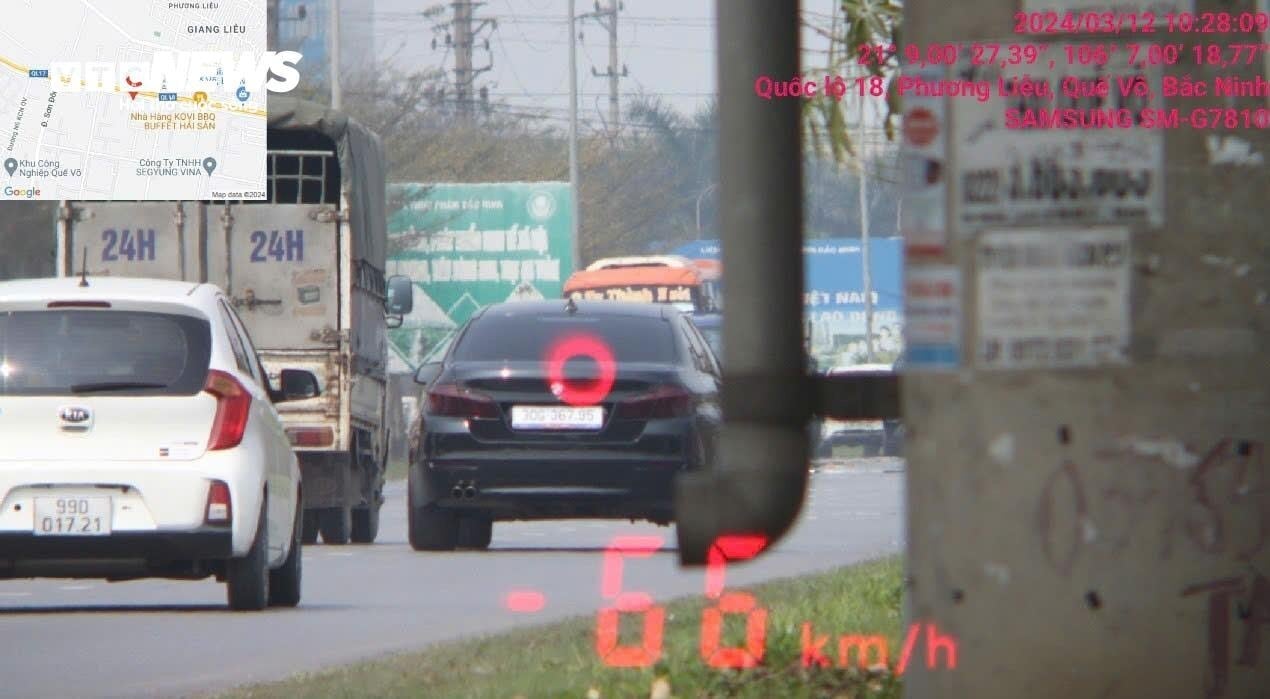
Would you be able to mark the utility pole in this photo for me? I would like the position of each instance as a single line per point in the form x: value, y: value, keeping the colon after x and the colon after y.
x: 607, y: 18
x: 461, y: 35
x: 573, y: 127
x: 337, y: 93
x: 865, y: 259
x: 272, y: 23
x: 1087, y: 401
x: 463, y: 57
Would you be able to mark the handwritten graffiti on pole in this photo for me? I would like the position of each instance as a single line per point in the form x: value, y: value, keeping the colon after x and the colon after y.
x: 1063, y: 491
x: 1217, y: 506
x: 1253, y: 616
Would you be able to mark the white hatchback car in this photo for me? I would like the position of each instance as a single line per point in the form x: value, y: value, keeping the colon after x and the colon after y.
x: 138, y: 438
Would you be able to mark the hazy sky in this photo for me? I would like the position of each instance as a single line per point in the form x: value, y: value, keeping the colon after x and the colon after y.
x: 667, y: 45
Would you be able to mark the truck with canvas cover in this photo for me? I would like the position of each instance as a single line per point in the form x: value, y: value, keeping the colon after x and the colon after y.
x: 305, y: 271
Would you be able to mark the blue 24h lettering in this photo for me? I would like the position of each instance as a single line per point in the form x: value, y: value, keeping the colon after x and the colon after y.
x: 125, y: 244
x: 288, y: 247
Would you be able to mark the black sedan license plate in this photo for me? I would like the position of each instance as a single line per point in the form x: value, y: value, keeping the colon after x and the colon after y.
x: 557, y: 417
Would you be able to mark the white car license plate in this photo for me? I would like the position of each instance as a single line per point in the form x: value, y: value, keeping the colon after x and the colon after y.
x: 72, y: 516
x: 557, y: 417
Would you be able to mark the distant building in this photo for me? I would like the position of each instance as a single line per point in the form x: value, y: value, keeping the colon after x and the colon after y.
x: 303, y: 26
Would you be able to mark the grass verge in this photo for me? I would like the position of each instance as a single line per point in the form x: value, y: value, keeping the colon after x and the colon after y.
x: 560, y: 660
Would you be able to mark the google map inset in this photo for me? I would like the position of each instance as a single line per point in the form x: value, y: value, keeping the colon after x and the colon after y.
x: 130, y: 101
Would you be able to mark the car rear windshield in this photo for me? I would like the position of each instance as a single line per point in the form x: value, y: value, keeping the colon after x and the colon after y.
x: 495, y: 337
x: 61, y: 352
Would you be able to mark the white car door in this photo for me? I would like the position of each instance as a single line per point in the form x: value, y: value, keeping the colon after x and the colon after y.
x: 278, y: 469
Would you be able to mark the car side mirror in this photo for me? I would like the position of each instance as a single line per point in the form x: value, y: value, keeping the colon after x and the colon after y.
x: 428, y: 373
x: 401, y: 296
x: 297, y: 384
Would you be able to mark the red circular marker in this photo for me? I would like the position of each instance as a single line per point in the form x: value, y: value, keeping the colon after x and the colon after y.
x: 920, y: 127
x: 574, y: 392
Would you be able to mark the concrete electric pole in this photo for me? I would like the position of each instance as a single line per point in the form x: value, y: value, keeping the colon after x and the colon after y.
x: 337, y: 91
x: 272, y: 22
x: 573, y: 128
x: 1087, y: 391
x: 866, y: 260
x: 607, y: 18
x: 462, y: 37
x: 463, y: 57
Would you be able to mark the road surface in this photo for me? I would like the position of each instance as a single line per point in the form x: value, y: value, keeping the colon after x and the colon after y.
x: 87, y: 638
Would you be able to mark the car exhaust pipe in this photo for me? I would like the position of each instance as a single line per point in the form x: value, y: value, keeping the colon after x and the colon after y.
x: 470, y: 491
x: 457, y: 491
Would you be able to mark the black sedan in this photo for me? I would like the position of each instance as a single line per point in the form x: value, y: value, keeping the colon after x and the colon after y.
x: 560, y: 410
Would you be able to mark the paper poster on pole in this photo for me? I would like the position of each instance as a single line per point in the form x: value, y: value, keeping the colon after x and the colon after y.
x: 923, y: 220
x: 932, y: 307
x: 1053, y: 298
x: 1058, y: 161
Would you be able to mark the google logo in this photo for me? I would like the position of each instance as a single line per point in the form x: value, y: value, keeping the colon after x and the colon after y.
x: 22, y: 193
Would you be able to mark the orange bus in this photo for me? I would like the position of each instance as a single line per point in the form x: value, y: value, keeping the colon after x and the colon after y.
x: 712, y: 278
x: 651, y: 279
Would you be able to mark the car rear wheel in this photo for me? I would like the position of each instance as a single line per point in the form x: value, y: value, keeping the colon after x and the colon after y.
x: 366, y: 523
x: 284, y: 583
x: 336, y: 524
x: 475, y: 532
x: 247, y: 578
x: 433, y: 529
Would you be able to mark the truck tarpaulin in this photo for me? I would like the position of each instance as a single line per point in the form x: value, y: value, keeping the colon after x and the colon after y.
x: 361, y: 158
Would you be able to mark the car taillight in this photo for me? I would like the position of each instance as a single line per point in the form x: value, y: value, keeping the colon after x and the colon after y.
x: 233, y: 405
x: 450, y: 400
x: 219, y: 508
x: 661, y: 402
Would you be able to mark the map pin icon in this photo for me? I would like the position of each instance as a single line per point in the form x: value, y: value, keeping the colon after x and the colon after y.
x: 209, y: 164
x: 11, y: 165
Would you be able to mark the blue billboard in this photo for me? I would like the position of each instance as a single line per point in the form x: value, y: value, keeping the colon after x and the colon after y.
x: 833, y: 294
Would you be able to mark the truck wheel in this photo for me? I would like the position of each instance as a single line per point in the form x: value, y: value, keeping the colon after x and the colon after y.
x: 475, y: 532
x: 247, y: 580
x: 284, y: 583
x: 309, y: 526
x: 335, y: 523
x: 433, y: 529
x: 366, y: 523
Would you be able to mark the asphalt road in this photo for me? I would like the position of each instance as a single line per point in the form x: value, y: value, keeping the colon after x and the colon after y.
x: 86, y: 638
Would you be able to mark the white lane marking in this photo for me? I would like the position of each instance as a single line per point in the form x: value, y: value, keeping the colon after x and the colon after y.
x: 15, y: 594
x: 341, y: 554
x: 75, y: 588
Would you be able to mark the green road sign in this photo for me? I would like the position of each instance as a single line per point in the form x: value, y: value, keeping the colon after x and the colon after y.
x: 470, y: 245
